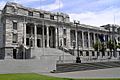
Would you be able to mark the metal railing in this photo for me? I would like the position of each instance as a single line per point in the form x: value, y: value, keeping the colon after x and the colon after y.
x: 65, y: 61
x: 65, y: 50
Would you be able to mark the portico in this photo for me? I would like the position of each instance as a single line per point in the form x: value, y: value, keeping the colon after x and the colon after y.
x: 39, y: 36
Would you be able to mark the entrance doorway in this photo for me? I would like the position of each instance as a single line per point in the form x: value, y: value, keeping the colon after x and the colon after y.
x: 14, y: 53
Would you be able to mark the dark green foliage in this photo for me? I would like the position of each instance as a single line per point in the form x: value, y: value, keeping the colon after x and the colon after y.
x: 97, y: 45
x: 103, y: 47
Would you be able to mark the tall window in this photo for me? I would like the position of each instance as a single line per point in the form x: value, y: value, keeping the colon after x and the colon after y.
x: 15, y: 25
x: 31, y: 43
x: 27, y: 41
x: 15, y: 38
x: 41, y: 15
x: 39, y: 30
x: 81, y: 53
x: 93, y: 54
x: 38, y: 43
x: 87, y: 53
x: 30, y: 13
x: 64, y: 31
x: 51, y: 17
x: 64, y: 41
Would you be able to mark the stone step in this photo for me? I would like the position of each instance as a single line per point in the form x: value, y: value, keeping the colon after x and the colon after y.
x: 86, y: 66
x: 60, y: 55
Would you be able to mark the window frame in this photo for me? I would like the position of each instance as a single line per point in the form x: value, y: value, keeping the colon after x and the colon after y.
x: 42, y: 15
x: 14, y: 25
x: 30, y: 13
x: 15, y: 38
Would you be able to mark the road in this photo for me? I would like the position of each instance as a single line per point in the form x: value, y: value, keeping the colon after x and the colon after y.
x: 101, y: 73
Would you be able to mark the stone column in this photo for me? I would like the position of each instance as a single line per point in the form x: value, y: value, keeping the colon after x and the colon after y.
x: 83, y: 39
x: 35, y: 35
x: 24, y: 29
x: 43, y: 37
x: 118, y: 54
x: 47, y: 36
x: 88, y: 40
x: 76, y: 37
x: 56, y: 31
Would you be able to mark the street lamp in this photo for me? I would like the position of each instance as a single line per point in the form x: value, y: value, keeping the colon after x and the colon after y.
x: 30, y: 44
x: 31, y: 40
x: 114, y: 40
x: 78, y: 57
x: 74, y: 44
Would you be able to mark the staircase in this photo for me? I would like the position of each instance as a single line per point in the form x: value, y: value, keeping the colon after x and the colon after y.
x: 48, y: 52
x: 86, y: 66
x: 66, y: 50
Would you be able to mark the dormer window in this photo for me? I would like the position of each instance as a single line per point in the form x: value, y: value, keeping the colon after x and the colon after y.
x: 51, y: 17
x: 30, y: 13
x: 41, y: 15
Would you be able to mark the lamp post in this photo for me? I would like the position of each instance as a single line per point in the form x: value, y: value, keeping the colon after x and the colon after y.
x: 74, y: 44
x: 114, y: 40
x: 30, y: 45
x: 31, y: 42
x: 78, y: 57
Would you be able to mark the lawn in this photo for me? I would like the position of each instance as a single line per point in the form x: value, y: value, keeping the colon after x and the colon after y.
x: 33, y: 76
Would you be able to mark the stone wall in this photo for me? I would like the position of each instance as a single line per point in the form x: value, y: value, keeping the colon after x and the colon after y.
x: 8, y: 35
x: 1, y: 32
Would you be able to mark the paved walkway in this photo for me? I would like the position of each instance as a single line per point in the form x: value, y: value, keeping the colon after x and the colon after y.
x: 101, y: 73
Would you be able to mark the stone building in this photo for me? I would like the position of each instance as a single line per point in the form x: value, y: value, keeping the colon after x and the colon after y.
x: 30, y: 33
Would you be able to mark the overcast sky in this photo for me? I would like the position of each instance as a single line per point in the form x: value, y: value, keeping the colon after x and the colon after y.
x: 91, y: 12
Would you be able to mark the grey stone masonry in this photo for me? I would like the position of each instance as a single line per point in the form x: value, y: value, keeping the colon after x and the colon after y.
x: 38, y: 29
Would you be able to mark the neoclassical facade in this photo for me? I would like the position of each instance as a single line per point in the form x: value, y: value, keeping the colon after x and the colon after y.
x: 25, y: 30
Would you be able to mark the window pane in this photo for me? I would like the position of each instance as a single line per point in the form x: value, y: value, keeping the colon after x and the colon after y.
x: 51, y: 17
x: 64, y: 31
x: 41, y: 15
x: 65, y: 41
x: 27, y: 41
x: 30, y: 13
x: 14, y: 38
x: 15, y: 25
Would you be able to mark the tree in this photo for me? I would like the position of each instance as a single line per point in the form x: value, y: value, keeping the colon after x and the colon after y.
x: 100, y: 46
x: 111, y: 46
x: 97, y: 46
x: 103, y: 48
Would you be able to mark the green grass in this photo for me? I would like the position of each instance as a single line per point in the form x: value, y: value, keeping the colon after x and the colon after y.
x: 33, y: 76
